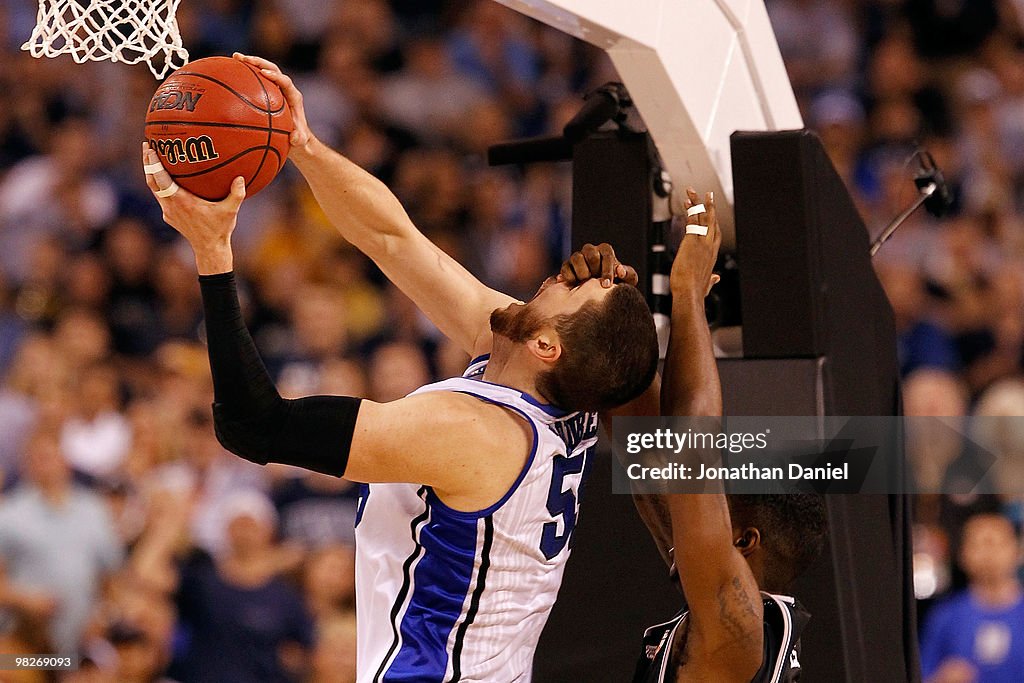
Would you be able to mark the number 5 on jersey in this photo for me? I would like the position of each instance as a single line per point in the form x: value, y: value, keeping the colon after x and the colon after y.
x: 562, y: 502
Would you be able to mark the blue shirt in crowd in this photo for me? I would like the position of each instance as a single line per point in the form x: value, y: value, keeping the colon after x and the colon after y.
x: 235, y: 633
x: 990, y: 639
x: 926, y: 345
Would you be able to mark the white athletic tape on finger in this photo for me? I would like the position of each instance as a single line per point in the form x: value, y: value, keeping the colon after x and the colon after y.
x: 150, y: 169
x: 701, y: 230
x: 173, y: 187
x: 695, y: 209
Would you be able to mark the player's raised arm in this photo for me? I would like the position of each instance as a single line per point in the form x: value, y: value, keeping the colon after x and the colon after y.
x: 368, y: 215
x: 434, y: 439
x: 725, y: 633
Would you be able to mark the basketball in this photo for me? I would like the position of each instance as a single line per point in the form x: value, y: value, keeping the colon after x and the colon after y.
x: 215, y: 119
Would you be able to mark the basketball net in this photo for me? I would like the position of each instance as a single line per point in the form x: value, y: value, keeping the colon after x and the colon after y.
x: 128, y: 31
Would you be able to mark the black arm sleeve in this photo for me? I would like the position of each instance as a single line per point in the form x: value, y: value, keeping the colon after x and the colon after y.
x: 250, y: 418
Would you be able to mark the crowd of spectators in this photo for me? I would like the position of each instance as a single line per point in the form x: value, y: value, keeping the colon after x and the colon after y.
x: 881, y: 81
x: 127, y: 534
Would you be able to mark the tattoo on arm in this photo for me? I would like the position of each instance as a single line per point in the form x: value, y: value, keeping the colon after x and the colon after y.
x: 736, y: 609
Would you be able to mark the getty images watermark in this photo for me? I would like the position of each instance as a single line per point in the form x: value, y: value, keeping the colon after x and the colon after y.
x: 665, y: 440
x: 823, y: 454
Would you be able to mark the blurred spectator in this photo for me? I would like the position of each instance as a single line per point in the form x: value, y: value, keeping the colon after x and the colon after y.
x: 57, y: 543
x: 319, y: 328
x: 334, y: 657
x: 81, y: 338
x: 96, y: 436
x: 329, y: 582
x: 208, y: 474
x: 100, y: 319
x: 87, y: 283
x: 978, y: 635
x: 933, y: 444
x: 818, y: 40
x: 32, y: 373
x: 998, y: 428
x: 492, y: 49
x: 427, y: 97
x: 397, y: 369
x: 131, y: 308
x: 178, y: 305
x: 840, y: 120
x: 244, y: 622
x: 57, y: 194
x: 369, y: 26
x: 906, y: 103
x: 921, y: 342
x: 316, y: 510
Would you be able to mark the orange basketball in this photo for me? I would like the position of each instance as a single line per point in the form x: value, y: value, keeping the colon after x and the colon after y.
x: 215, y: 119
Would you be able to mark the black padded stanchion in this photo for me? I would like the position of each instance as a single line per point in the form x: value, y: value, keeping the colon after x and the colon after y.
x: 810, y: 296
x: 818, y: 339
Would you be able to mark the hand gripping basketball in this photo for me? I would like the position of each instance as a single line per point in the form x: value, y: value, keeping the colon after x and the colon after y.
x: 206, y: 225
x: 301, y: 135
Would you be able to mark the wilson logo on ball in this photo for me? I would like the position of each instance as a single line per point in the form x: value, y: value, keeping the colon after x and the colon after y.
x: 175, y: 99
x: 189, y: 150
x: 224, y: 109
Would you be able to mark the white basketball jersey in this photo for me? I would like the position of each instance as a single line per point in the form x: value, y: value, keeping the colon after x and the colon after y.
x: 444, y: 595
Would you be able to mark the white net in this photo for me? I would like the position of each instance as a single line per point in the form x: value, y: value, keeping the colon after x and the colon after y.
x: 128, y: 31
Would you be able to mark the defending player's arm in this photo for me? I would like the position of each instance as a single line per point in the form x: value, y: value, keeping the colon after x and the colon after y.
x: 433, y: 439
x: 368, y: 215
x: 724, y: 638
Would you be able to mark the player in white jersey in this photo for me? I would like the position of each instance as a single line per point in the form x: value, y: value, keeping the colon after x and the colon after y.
x: 472, y: 594
x: 465, y: 526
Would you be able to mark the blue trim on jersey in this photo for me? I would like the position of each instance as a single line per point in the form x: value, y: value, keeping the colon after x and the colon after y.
x: 474, y: 602
x: 441, y: 583
x: 364, y: 495
x: 415, y: 528
x: 552, y: 410
x: 434, y: 500
x: 549, y: 409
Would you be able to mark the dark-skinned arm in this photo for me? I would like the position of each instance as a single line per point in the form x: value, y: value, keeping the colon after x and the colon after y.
x: 724, y: 638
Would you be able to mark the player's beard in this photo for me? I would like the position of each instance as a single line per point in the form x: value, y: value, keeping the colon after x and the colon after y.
x: 516, y: 322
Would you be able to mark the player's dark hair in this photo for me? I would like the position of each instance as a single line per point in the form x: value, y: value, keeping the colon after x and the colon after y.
x: 793, y: 530
x: 609, y: 353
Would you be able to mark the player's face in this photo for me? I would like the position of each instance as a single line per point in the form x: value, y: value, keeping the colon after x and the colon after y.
x: 552, y: 300
x: 557, y: 298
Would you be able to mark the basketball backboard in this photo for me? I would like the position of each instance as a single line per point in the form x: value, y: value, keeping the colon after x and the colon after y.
x: 696, y: 69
